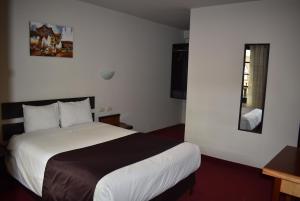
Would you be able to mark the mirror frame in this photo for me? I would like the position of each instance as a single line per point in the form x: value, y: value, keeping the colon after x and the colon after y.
x: 264, y: 94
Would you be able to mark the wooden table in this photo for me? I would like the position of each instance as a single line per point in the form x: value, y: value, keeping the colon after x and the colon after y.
x: 285, y: 168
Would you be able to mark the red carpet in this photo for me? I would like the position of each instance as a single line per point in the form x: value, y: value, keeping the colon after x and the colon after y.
x: 226, y: 181
x: 217, y: 180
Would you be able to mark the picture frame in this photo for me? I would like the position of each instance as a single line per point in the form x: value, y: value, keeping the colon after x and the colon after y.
x: 50, y: 40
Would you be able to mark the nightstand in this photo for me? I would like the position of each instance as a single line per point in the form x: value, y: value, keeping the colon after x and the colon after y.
x: 114, y: 119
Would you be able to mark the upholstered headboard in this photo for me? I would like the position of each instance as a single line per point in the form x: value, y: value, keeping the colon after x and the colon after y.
x: 14, y: 110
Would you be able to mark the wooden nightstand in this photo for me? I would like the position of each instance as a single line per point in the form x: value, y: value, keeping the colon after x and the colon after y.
x: 114, y: 119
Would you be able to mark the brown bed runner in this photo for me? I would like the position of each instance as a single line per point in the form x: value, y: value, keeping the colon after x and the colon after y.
x: 73, y: 175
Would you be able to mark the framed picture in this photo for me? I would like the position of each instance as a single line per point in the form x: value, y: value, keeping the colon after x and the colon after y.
x: 50, y: 40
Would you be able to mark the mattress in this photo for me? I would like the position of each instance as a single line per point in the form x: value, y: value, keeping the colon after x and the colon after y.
x: 144, y: 180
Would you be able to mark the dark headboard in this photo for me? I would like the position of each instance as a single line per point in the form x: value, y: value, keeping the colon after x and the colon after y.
x: 14, y: 110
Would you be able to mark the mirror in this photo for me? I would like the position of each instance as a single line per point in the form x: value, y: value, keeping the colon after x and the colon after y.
x: 253, y: 90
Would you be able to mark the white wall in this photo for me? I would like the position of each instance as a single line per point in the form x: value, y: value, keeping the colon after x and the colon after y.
x: 217, y: 38
x: 139, y: 50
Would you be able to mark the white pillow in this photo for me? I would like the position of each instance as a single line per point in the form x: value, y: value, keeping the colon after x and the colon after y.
x: 72, y: 113
x: 40, y: 117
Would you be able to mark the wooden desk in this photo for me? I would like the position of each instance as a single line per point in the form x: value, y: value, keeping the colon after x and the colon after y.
x: 285, y: 168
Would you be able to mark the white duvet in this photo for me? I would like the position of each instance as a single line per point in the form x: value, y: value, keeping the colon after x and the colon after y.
x: 251, y: 119
x: 29, y: 153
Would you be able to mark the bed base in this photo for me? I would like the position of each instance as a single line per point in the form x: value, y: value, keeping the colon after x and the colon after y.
x: 181, y: 188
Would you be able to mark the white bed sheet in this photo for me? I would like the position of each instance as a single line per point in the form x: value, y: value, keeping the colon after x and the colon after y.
x: 251, y: 119
x: 143, y: 180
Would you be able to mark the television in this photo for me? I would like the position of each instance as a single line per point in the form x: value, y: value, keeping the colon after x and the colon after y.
x: 180, y: 53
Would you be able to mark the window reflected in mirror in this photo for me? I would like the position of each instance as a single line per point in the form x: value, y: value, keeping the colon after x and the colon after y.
x: 253, y: 90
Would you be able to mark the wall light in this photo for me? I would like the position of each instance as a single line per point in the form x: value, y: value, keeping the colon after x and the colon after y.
x: 107, y: 74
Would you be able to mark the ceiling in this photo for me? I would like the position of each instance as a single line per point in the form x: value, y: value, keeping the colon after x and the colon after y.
x: 175, y: 13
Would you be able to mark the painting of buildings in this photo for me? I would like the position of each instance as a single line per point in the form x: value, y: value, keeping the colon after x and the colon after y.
x: 50, y: 40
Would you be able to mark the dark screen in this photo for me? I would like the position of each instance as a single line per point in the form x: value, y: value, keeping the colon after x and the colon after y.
x: 179, y: 71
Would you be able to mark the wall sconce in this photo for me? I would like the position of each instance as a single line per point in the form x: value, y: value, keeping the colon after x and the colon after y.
x: 107, y: 74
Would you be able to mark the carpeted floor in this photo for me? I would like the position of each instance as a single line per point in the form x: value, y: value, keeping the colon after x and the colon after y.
x: 223, y: 180
x: 226, y: 181
x: 217, y: 180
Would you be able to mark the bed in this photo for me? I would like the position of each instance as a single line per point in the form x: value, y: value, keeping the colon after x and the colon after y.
x: 251, y: 118
x: 162, y: 176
